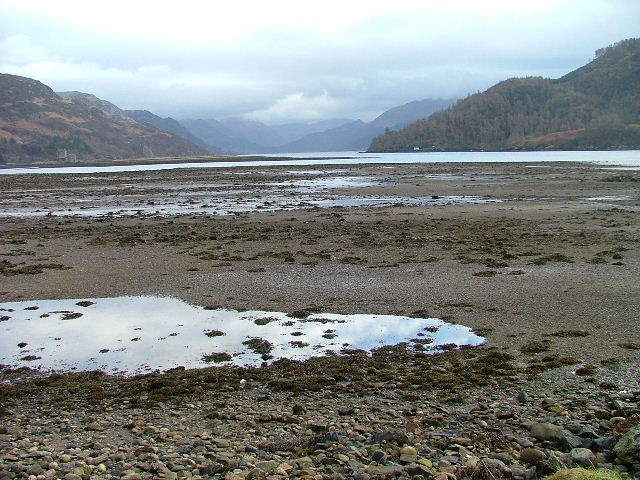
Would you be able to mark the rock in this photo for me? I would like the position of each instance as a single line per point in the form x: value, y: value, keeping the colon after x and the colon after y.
x: 461, y: 440
x: 544, y: 431
x: 256, y: 474
x: 72, y: 476
x: 385, y: 471
x: 522, y: 397
x: 267, y: 466
x: 627, y: 448
x: 131, y: 476
x: 504, y: 414
x: 298, y: 409
x: 568, y: 441
x: 531, y: 474
x: 582, y: 457
x: 604, y: 443
x: 404, y: 459
x: 389, y: 436
x: 378, y: 456
x: 304, y: 462
x: 417, y: 469
x: 445, y: 476
x: 408, y: 450
x: 587, y: 432
x: 35, y: 469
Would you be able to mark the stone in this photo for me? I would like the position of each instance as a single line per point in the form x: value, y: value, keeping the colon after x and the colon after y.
x: 531, y: 474
x: 378, y: 456
x: 131, y: 476
x: 627, y: 448
x: 385, y: 436
x: 568, y: 440
x: 35, y: 469
x: 385, y: 471
x: 408, y: 458
x: 604, y: 443
x: 417, y: 469
x: 256, y: 474
x: 582, y: 457
x: 408, y: 450
x: 298, y: 409
x: 544, y: 431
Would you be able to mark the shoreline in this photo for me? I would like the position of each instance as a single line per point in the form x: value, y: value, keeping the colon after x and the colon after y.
x: 159, y: 161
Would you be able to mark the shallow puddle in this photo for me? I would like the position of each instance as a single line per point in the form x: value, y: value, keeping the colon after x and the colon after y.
x: 223, y: 203
x: 609, y: 198
x: 140, y: 334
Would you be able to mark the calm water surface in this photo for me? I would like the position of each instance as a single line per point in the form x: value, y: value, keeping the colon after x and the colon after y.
x: 139, y: 334
x: 626, y: 158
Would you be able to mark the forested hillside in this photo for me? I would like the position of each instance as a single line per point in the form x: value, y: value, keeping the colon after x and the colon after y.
x: 594, y: 107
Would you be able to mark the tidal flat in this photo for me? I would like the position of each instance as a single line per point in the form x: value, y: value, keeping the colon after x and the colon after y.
x: 541, y: 260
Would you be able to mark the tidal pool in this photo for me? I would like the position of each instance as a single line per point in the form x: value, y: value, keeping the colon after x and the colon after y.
x: 132, y: 335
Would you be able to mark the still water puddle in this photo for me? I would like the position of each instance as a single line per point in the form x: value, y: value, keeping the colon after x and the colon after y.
x: 609, y: 198
x: 140, y: 334
x: 224, y: 204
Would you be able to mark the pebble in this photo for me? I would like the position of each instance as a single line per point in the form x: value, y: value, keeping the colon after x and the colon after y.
x: 378, y: 436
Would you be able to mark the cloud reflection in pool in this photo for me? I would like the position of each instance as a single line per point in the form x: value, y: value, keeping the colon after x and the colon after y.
x: 139, y: 334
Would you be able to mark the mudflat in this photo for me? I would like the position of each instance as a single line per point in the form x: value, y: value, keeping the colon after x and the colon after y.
x: 540, y: 259
x: 550, y: 247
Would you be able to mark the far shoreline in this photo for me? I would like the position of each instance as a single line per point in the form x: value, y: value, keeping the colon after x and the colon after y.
x: 156, y: 161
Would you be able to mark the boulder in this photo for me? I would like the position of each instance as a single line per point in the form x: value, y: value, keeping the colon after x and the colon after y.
x: 627, y: 448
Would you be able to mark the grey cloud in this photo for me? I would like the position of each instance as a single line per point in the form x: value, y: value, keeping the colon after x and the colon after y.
x: 378, y: 63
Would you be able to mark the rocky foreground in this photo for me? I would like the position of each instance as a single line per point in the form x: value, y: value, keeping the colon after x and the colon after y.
x: 279, y: 422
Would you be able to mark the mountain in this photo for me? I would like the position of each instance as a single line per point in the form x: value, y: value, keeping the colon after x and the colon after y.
x: 596, y: 106
x: 238, y: 135
x: 357, y: 135
x: 108, y: 108
x: 398, y: 117
x: 167, y: 124
x: 135, y: 116
x: 291, y: 132
x: 36, y: 124
x: 343, y: 138
x: 253, y: 131
x: 214, y: 132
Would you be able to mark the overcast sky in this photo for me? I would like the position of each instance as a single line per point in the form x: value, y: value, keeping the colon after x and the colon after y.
x: 279, y: 61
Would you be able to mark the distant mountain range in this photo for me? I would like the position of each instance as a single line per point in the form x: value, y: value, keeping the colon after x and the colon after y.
x: 36, y: 124
x: 594, y: 107
x: 167, y: 124
x: 239, y: 135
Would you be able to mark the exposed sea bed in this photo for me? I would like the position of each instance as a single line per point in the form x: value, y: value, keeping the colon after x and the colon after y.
x: 167, y: 199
